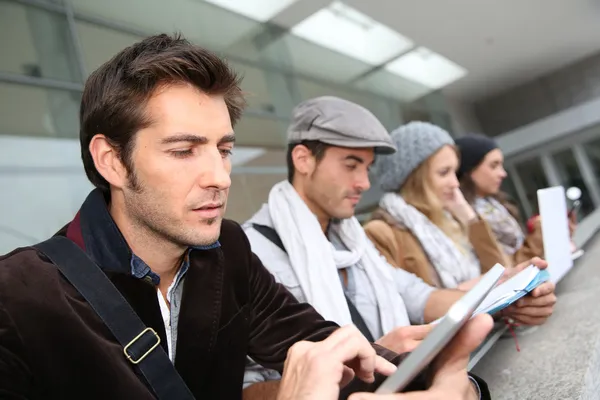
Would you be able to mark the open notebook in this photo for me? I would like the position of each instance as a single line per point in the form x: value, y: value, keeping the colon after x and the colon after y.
x: 512, y: 290
x: 508, y: 292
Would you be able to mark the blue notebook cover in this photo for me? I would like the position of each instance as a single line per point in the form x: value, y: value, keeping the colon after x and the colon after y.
x: 540, y: 278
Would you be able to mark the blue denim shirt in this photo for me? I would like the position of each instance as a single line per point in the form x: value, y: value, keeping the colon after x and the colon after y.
x: 141, y: 270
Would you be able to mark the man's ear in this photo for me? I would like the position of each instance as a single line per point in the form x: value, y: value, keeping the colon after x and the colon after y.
x: 107, y: 161
x: 304, y: 161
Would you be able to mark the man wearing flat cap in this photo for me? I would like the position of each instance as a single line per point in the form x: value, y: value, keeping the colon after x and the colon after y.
x: 308, y: 238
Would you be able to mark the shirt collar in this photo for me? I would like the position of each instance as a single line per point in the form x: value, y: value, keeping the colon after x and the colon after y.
x: 105, y: 244
x: 141, y: 270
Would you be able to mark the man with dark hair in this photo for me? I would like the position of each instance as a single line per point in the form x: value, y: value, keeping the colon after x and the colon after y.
x: 148, y: 292
x: 156, y: 137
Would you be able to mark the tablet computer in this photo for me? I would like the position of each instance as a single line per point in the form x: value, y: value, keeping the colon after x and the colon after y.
x: 447, y: 327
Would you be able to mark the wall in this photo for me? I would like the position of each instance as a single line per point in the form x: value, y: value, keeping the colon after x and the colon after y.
x: 462, y: 114
x: 43, y: 185
x: 575, y: 84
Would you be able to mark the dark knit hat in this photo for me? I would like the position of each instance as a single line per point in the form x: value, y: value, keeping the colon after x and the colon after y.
x: 473, y: 149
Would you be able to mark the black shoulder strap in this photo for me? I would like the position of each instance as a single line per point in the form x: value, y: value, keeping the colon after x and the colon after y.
x: 357, y: 319
x: 141, y: 345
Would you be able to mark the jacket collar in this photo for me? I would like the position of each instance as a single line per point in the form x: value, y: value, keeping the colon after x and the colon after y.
x: 95, y: 231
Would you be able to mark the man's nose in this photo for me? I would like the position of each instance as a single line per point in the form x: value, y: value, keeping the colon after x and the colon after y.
x: 215, y: 171
x: 363, y: 183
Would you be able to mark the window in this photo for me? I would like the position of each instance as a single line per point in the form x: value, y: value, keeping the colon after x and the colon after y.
x: 568, y: 171
x: 32, y: 111
x: 100, y: 44
x: 36, y: 43
x: 533, y: 177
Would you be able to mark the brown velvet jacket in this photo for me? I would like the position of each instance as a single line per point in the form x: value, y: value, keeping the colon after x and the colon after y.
x: 54, y: 346
x: 403, y: 250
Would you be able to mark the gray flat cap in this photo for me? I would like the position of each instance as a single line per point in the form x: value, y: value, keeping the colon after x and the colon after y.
x: 340, y: 123
x: 416, y: 142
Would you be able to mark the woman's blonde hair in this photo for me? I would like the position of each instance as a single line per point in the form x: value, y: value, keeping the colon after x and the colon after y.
x: 418, y: 192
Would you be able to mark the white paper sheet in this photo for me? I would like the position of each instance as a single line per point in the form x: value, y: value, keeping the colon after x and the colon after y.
x: 555, y: 230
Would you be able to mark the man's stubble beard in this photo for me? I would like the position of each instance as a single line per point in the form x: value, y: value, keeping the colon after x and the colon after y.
x: 319, y: 195
x: 147, y: 215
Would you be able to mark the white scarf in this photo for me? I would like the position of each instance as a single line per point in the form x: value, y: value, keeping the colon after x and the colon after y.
x: 315, y: 261
x: 507, y: 230
x: 452, y: 266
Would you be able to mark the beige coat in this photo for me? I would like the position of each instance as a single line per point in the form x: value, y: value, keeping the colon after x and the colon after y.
x: 403, y: 250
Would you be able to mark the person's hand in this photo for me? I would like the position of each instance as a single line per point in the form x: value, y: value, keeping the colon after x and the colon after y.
x: 513, y: 271
x: 405, y: 338
x: 572, y: 224
x: 460, y: 208
x: 318, y: 370
x: 537, y: 306
x: 450, y: 380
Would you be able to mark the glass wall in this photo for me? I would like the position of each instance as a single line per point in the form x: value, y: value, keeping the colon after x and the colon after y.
x: 572, y: 161
x: 508, y: 187
x: 534, y: 178
x: 570, y: 175
x: 592, y: 149
x: 49, y: 47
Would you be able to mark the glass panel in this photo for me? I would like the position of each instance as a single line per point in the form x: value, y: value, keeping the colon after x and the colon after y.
x: 248, y: 192
x: 592, y: 149
x: 332, y: 66
x: 533, y: 177
x: 508, y: 187
x: 568, y: 171
x: 201, y: 22
x: 32, y: 111
x: 392, y: 85
x: 100, y: 44
x: 255, y: 86
x: 387, y: 111
x: 262, y: 132
x: 36, y: 43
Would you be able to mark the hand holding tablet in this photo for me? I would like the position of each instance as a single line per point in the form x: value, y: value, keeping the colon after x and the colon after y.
x: 442, y: 334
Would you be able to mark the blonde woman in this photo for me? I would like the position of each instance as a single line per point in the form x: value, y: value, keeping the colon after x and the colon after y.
x: 424, y: 224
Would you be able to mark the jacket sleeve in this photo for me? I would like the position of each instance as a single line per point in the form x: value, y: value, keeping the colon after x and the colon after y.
x: 278, y: 320
x: 486, y: 247
x: 381, y: 235
x: 401, y: 250
x: 15, y: 377
x: 533, y: 246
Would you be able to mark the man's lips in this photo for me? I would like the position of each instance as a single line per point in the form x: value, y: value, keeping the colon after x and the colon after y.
x: 209, y: 206
x: 210, y: 210
x: 354, y: 199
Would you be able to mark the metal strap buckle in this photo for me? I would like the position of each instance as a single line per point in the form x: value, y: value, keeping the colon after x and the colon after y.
x: 130, y: 358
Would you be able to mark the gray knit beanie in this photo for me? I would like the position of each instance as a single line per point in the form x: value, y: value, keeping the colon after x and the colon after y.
x: 415, y: 142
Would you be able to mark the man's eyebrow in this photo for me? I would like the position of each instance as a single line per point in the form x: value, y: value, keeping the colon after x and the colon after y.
x: 355, y: 158
x: 185, y: 137
x: 230, y: 138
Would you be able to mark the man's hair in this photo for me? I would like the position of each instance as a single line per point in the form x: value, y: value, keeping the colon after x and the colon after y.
x: 316, y: 148
x: 116, y: 94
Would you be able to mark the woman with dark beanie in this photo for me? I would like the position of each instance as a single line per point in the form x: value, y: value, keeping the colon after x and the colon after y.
x: 480, y: 174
